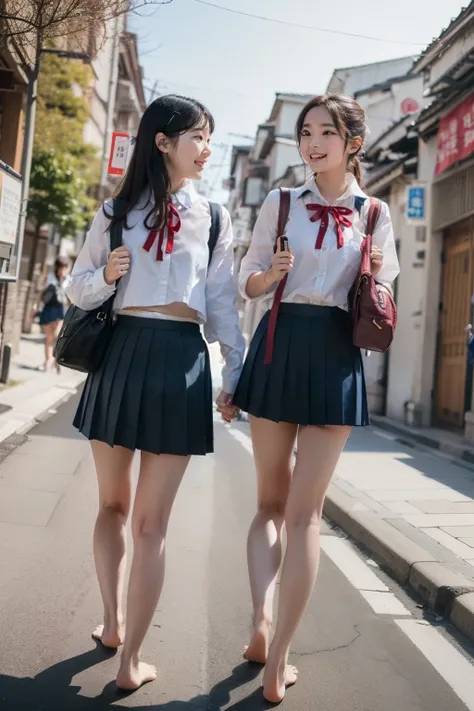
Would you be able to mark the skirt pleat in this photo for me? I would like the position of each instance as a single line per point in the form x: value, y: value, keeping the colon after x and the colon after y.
x: 153, y: 390
x: 316, y: 376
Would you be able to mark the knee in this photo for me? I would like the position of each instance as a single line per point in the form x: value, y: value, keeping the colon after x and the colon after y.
x: 114, y: 507
x: 272, y: 508
x: 303, y: 518
x: 149, y: 530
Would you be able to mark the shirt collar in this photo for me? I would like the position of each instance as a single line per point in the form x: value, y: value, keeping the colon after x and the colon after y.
x: 353, y: 190
x: 185, y: 195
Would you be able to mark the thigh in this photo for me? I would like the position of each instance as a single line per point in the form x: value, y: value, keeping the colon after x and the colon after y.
x: 158, y: 484
x: 273, y: 446
x: 319, y: 449
x: 56, y: 328
x: 114, y: 476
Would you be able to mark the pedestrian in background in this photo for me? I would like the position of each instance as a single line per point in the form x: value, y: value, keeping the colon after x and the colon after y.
x: 54, y: 302
x: 153, y: 390
x: 308, y: 388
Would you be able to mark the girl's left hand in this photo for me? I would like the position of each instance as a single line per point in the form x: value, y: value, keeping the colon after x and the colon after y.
x: 376, y: 260
x: 225, y: 407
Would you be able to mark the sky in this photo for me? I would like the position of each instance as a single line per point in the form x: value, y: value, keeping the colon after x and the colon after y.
x: 235, y: 64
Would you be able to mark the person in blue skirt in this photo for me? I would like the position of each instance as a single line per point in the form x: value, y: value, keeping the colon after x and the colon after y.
x: 153, y: 389
x: 53, y: 307
x: 303, y: 380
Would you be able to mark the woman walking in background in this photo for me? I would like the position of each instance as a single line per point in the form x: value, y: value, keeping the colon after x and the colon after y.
x: 54, y: 302
x: 153, y: 390
x: 303, y: 381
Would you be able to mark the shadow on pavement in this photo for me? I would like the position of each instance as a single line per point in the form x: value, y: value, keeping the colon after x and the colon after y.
x: 51, y: 690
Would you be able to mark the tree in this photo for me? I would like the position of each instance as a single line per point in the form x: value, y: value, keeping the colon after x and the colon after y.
x: 64, y: 167
x: 39, y: 26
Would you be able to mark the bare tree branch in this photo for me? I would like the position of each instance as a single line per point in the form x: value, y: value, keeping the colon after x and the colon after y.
x: 55, y: 20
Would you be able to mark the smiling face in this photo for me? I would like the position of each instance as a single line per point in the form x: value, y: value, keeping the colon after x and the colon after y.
x: 321, y: 144
x: 187, y: 156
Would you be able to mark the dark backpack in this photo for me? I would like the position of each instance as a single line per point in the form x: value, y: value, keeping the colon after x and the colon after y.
x: 216, y: 219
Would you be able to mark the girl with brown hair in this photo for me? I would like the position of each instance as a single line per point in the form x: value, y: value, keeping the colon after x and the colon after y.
x: 304, y: 382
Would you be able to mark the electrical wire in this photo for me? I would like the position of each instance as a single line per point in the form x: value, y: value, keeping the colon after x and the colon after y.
x: 309, y: 27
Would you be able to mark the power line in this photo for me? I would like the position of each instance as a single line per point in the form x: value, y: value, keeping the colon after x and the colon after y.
x: 309, y: 27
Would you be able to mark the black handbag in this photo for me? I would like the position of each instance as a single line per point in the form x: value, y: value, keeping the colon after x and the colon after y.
x: 85, y: 335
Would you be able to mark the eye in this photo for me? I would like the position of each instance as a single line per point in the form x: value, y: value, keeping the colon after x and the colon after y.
x: 305, y: 132
x: 328, y: 132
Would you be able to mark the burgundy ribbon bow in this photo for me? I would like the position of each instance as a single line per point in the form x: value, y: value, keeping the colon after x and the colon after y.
x: 322, y: 213
x: 173, y: 223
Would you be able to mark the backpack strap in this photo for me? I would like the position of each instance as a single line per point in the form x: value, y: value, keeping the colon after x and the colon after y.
x: 117, y: 227
x: 215, y: 229
x: 283, y: 214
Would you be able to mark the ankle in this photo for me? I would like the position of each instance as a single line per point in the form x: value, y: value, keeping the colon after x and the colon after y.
x: 261, y: 618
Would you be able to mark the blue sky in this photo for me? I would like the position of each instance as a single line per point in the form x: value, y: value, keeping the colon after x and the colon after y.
x: 235, y: 64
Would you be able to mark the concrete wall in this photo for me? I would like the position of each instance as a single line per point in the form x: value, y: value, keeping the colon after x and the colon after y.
x: 348, y: 81
x: 430, y: 288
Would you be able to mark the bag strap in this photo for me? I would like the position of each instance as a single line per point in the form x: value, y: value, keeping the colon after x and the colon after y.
x: 117, y: 227
x: 375, y: 208
x: 283, y: 214
x: 215, y: 229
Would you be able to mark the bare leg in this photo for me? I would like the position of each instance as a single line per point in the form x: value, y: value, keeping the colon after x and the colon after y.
x: 273, y: 445
x: 160, y: 477
x: 113, y: 466
x: 49, y: 337
x: 319, y: 449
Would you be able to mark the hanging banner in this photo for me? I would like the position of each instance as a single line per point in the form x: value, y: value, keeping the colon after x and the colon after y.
x: 455, y: 135
x: 119, y: 149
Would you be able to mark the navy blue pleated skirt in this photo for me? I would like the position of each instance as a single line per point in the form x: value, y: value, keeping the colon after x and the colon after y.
x: 153, y: 390
x: 316, y: 376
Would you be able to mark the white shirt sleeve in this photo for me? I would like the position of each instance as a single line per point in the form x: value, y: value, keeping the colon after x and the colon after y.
x: 222, y: 323
x: 384, y: 239
x: 260, y: 252
x: 87, y: 287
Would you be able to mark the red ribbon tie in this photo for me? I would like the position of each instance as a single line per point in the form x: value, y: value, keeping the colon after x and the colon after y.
x: 173, y: 225
x: 322, y: 212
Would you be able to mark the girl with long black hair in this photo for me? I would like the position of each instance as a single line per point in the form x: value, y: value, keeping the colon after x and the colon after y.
x: 153, y: 391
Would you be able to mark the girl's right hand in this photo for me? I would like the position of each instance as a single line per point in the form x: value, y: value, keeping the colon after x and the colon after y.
x: 282, y: 263
x: 118, y: 265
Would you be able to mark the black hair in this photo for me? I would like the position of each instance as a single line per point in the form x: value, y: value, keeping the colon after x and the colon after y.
x: 147, y: 175
x: 60, y: 263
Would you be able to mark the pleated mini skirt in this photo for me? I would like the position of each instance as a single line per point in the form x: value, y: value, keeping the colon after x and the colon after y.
x: 153, y: 390
x: 316, y: 376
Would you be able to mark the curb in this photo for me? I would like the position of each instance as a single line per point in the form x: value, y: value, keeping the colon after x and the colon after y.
x: 19, y: 423
x: 449, y: 594
x: 405, y: 435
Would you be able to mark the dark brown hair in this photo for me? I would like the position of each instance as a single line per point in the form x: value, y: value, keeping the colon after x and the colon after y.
x: 349, y: 119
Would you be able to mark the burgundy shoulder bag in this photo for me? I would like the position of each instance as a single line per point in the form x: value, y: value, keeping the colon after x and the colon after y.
x: 374, y: 314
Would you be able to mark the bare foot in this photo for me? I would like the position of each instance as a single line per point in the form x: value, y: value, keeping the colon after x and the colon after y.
x: 257, y: 651
x: 132, y: 676
x: 110, y: 638
x: 276, y: 681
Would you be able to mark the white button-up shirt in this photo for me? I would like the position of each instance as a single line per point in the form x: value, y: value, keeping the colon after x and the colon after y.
x: 183, y: 276
x: 319, y: 276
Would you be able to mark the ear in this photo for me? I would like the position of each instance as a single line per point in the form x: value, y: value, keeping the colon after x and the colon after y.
x: 162, y: 142
x: 354, y: 146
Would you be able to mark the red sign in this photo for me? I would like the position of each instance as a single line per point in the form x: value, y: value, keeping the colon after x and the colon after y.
x: 455, y: 135
x: 118, y: 153
x: 409, y: 106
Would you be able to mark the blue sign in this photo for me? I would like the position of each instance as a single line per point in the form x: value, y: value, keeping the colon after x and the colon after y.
x: 416, y: 203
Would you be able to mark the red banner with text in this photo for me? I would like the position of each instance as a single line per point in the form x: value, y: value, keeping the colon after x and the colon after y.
x: 455, y: 135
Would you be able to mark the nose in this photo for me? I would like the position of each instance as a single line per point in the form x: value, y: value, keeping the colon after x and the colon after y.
x: 207, y: 151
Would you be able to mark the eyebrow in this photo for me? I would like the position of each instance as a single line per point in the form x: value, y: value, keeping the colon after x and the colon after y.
x: 330, y: 125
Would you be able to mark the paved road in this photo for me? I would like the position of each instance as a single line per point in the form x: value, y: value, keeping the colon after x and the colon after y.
x: 363, y: 645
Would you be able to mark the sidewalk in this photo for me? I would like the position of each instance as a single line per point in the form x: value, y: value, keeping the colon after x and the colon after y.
x: 31, y: 394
